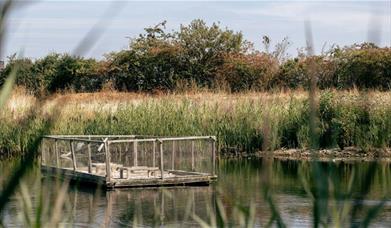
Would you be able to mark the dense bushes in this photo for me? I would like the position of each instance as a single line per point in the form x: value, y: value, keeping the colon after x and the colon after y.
x: 204, y: 56
x: 242, y: 72
x: 363, y: 66
x: 56, y: 72
x: 159, y: 60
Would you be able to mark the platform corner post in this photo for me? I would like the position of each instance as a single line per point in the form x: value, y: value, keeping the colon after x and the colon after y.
x: 73, y: 155
x: 135, y: 154
x: 56, y: 152
x: 161, y: 159
x: 173, y: 156
x: 89, y: 156
x: 42, y: 151
x: 108, y: 168
x: 213, y: 155
x: 192, y: 156
x: 154, y: 154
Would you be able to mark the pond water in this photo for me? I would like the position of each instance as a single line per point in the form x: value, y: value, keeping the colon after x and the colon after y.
x: 239, y: 190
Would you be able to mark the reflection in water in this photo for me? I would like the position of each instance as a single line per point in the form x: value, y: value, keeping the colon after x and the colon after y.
x: 239, y: 186
x: 152, y: 206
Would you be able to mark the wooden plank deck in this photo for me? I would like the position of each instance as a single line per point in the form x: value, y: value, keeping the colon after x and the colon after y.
x: 170, y: 178
x: 94, y: 159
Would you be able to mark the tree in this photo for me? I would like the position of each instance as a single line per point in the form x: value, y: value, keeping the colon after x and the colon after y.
x: 24, y: 70
x: 204, y: 49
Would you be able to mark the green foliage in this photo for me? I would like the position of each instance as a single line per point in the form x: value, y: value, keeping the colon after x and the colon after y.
x: 330, y: 127
x: 56, y: 72
x: 204, y: 48
x: 241, y: 125
x: 158, y: 60
x: 363, y: 66
x: 242, y: 72
x: 59, y: 72
x: 206, y: 56
x: 24, y: 68
x: 292, y: 75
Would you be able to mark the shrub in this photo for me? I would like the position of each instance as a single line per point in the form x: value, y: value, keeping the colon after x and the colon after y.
x: 292, y: 74
x: 156, y: 69
x: 25, y: 72
x: 55, y: 72
x: 247, y: 72
x: 362, y: 66
x: 205, y: 56
x: 58, y: 72
x: 295, y: 73
x: 158, y: 60
x: 204, y: 48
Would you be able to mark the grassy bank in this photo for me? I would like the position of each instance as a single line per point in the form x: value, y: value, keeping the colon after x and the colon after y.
x: 243, y: 122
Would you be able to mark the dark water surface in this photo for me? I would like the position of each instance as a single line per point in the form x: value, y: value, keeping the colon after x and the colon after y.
x: 240, y: 186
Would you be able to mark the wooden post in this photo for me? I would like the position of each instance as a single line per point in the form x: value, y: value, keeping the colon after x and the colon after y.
x: 120, y: 154
x: 108, y: 168
x: 173, y: 156
x: 89, y: 158
x: 109, y: 209
x: 42, y: 153
x: 127, y: 154
x: 73, y: 155
x: 56, y: 152
x: 135, y: 153
x: 161, y: 159
x: 153, y: 154
x: 192, y: 155
x: 162, y: 214
x: 213, y: 156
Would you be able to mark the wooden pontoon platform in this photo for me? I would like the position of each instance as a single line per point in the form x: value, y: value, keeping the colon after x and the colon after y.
x: 130, y: 161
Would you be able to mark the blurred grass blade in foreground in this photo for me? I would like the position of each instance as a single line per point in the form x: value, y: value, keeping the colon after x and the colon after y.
x: 7, y: 88
x: 5, y: 7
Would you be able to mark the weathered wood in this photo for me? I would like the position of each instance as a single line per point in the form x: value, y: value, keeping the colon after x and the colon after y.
x: 173, y: 156
x: 192, y: 156
x: 109, y: 209
x: 149, y: 139
x: 43, y: 154
x: 154, y: 154
x: 72, y: 175
x: 91, y: 136
x: 108, y: 168
x: 56, y: 152
x: 123, y: 174
x: 187, y: 173
x: 166, y: 182
x: 213, y: 156
x: 127, y: 153
x: 147, y: 182
x: 162, y: 214
x: 161, y: 159
x: 99, y: 167
x: 89, y: 158
x: 185, y: 138
x: 72, y: 138
x: 73, y: 155
x: 135, y: 154
x: 137, y: 168
x: 120, y: 154
x: 131, y: 140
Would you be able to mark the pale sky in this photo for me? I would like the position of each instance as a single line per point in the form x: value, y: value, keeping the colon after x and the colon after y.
x: 58, y: 26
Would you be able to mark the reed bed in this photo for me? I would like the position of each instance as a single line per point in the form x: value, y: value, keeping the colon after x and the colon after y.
x: 242, y: 122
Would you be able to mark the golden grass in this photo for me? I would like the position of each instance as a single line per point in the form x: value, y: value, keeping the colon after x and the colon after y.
x: 241, y: 120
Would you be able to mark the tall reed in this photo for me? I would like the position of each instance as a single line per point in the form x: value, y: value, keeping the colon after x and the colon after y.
x: 238, y: 120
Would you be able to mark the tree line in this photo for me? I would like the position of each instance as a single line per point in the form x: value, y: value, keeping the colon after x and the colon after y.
x: 204, y: 56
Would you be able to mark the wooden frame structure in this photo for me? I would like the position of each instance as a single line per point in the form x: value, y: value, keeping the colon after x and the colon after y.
x: 105, y: 159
